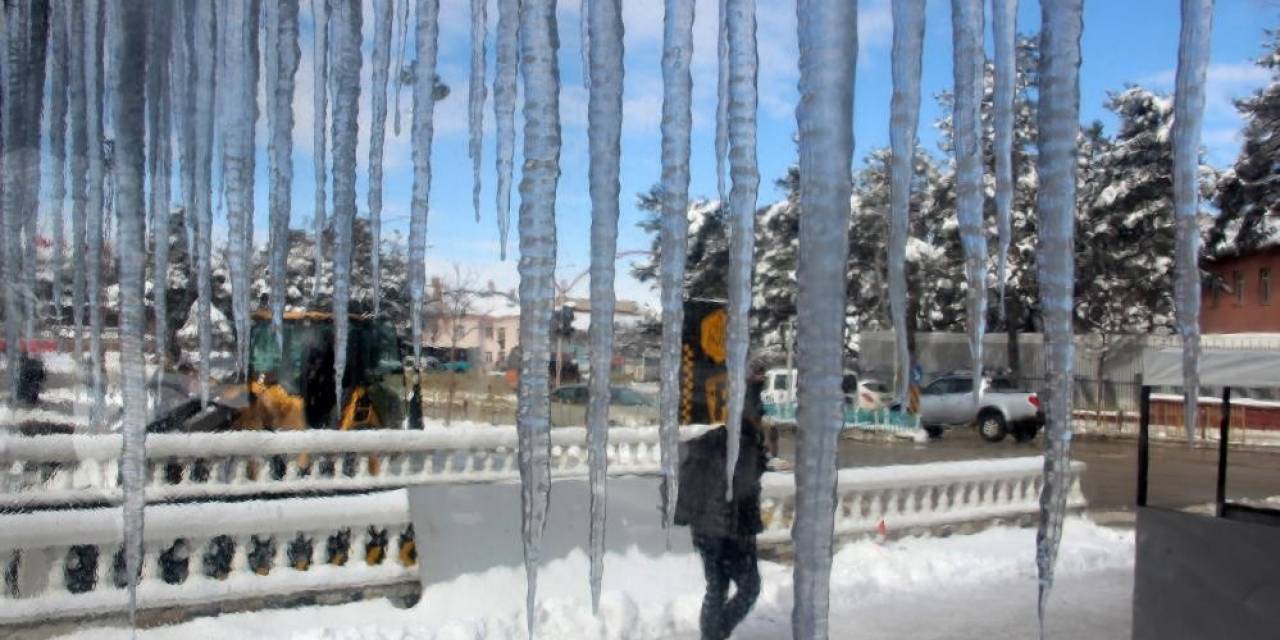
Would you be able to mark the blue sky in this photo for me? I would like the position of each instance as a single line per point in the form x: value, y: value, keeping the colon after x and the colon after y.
x: 1130, y: 41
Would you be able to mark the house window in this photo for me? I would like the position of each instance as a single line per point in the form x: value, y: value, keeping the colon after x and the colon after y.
x: 502, y: 335
x: 1264, y: 286
x: 1237, y: 277
x: 488, y: 333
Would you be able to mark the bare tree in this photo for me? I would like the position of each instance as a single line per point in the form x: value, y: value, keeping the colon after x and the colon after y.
x: 457, y: 301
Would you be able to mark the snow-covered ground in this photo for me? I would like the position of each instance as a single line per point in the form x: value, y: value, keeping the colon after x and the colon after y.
x: 979, y: 586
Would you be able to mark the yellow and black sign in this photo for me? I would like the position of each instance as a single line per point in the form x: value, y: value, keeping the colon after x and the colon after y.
x: 704, y: 379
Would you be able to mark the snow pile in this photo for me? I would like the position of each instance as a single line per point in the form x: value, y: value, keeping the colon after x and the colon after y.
x: 647, y: 597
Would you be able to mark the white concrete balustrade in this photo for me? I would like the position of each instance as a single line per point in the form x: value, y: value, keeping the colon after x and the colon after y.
x: 76, y: 469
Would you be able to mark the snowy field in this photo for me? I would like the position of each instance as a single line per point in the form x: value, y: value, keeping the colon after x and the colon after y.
x: 979, y: 586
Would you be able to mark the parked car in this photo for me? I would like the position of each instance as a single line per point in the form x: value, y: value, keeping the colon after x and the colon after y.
x: 1003, y: 410
x: 627, y: 407
x: 780, y: 391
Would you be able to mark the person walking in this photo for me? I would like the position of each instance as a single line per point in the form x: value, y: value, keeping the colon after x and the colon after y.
x: 724, y: 531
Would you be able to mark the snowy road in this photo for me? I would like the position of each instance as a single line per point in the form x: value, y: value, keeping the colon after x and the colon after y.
x: 979, y: 586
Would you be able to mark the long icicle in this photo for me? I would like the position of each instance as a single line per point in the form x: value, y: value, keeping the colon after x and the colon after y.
x: 426, y: 34
x: 477, y: 91
x: 159, y: 160
x: 745, y: 176
x: 183, y: 85
x: 283, y: 54
x: 33, y: 98
x: 722, y: 100
x: 904, y: 118
x: 94, y: 78
x: 59, y: 52
x: 604, y: 132
x: 240, y: 82
x: 346, y: 104
x: 828, y: 33
x: 129, y: 54
x: 539, y: 53
x: 404, y: 39
x: 320, y: 105
x: 677, y: 123
x: 78, y: 102
x: 383, y: 14
x: 1004, y: 26
x: 967, y: 65
x: 1188, y: 112
x: 1059, y: 119
x: 504, y: 109
x: 204, y: 54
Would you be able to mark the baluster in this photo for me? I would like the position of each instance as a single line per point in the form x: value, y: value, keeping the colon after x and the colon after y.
x: 104, y: 572
x: 151, y: 571
x: 56, y: 584
x: 240, y: 555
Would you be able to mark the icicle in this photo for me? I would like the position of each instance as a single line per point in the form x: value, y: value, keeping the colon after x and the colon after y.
x: 404, y: 39
x: 382, y: 17
x: 584, y: 35
x: 283, y: 54
x: 80, y: 145
x: 967, y: 64
x: 203, y: 54
x: 93, y: 71
x: 476, y: 93
x: 320, y: 104
x: 722, y: 100
x: 1059, y: 116
x: 904, y: 118
x: 424, y: 104
x: 184, y: 98
x: 240, y: 87
x: 1004, y: 19
x: 60, y: 52
x: 128, y: 56
x: 538, y: 51
x: 828, y: 36
x: 677, y: 122
x: 1188, y: 108
x: 743, y: 63
x: 604, y: 131
x: 160, y: 163
x: 346, y: 105
x: 504, y: 110
x: 26, y: 33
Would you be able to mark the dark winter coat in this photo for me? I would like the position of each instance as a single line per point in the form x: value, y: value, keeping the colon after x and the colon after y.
x: 701, y: 503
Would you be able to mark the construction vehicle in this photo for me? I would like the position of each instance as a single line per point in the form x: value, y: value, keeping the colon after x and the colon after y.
x: 290, y: 383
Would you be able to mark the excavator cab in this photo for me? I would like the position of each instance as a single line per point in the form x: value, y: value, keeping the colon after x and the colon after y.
x: 291, y: 380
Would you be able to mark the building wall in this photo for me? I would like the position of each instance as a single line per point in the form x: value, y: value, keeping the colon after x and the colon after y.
x: 491, y: 338
x: 1249, y: 300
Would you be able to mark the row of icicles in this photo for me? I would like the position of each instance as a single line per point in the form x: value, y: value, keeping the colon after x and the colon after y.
x: 196, y: 99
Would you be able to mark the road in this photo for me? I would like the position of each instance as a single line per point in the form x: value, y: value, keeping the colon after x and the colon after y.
x: 1180, y: 476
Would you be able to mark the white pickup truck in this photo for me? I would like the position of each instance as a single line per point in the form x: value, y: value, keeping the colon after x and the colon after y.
x: 1003, y: 410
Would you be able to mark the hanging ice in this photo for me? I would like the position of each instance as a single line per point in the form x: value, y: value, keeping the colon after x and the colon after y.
x: 59, y: 52
x: 743, y: 62
x: 677, y: 120
x: 239, y: 84
x: 77, y: 101
x: 967, y: 64
x: 476, y: 93
x: 828, y: 33
x: 346, y: 104
x: 281, y: 62
x: 320, y: 105
x: 1188, y: 112
x: 904, y: 118
x: 1004, y: 25
x: 26, y: 26
x: 404, y: 39
x: 584, y: 34
x: 604, y: 131
x: 93, y: 80
x: 159, y: 162
x: 382, y: 19
x: 204, y: 55
x: 184, y: 99
x: 1059, y: 119
x: 427, y: 32
x: 538, y: 51
x: 504, y: 109
x: 129, y: 53
x: 722, y: 99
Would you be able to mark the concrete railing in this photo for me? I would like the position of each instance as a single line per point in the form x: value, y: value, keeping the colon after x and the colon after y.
x: 68, y: 563
x: 62, y: 470
x: 921, y: 496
